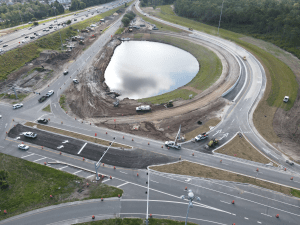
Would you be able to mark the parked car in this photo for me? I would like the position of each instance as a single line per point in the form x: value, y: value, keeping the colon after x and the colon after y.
x: 42, y: 99
x: 23, y: 41
x: 23, y: 35
x: 23, y: 147
x: 29, y: 28
x: 26, y: 37
x: 18, y: 105
x: 0, y: 41
x: 30, y: 134
x: 32, y: 37
x: 43, y: 24
x: 5, y: 45
x: 75, y: 81
x: 50, y: 93
x: 29, y: 22
x: 45, y: 121
x: 290, y: 162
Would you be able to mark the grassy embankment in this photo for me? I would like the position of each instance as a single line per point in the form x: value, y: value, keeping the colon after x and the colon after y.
x: 47, y: 108
x: 120, y: 30
x: 280, y: 79
x: 135, y: 221
x: 197, y: 170
x: 31, y: 184
x: 16, y: 58
x: 62, y: 102
x: 76, y: 135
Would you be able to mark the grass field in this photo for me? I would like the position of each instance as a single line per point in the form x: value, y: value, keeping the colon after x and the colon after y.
x: 134, y: 221
x: 120, y: 30
x: 31, y: 184
x: 209, y: 72
x: 62, y: 102
x: 75, y: 135
x: 281, y: 79
x: 47, y: 108
x: 203, y: 128
x: 196, y: 170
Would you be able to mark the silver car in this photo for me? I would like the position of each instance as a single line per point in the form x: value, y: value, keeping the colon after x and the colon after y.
x: 30, y: 134
x: 18, y: 105
x: 23, y: 147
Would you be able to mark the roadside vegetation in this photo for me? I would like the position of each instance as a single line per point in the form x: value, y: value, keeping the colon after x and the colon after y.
x: 62, y: 102
x: 281, y: 80
x: 135, y: 221
x: 127, y: 18
x: 120, y: 30
x: 197, y: 170
x: 203, y: 128
x: 47, y: 108
x: 209, y: 71
x: 28, y: 186
x: 76, y: 135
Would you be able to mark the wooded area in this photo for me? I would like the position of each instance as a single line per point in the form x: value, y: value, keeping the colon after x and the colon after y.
x: 81, y: 4
x: 11, y: 14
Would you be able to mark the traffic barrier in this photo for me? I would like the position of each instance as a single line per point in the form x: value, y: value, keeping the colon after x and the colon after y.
x: 185, y: 188
x: 105, y: 132
x: 42, y: 147
x: 82, y: 158
x: 110, y: 177
x: 114, y: 167
x: 257, y: 170
x: 221, y: 161
x: 60, y: 153
x: 162, y: 146
x: 102, y: 199
x: 132, y: 139
x: 150, y: 215
x: 51, y: 196
x: 148, y: 143
x: 87, y: 184
x: 284, y: 169
x: 232, y: 202
x: 137, y: 174
x: 193, y: 154
x: 93, y: 217
x: 277, y: 215
x: 119, y: 196
x: 123, y: 137
x: 102, y: 164
x: 5, y: 212
x: 45, y: 163
x: 292, y: 178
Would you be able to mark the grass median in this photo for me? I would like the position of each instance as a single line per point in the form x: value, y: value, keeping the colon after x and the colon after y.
x: 281, y: 80
x: 47, y: 108
x: 30, y: 186
x: 76, y: 135
x: 197, y: 170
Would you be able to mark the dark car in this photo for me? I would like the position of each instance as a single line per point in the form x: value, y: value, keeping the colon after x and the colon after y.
x: 45, y: 121
x: 41, y: 99
x: 5, y: 46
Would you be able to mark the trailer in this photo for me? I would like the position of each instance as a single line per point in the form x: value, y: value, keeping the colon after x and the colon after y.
x: 143, y: 108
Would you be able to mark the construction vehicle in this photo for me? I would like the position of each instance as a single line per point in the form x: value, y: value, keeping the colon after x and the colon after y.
x: 81, y: 42
x: 212, y: 142
x: 191, y: 29
x: 143, y: 108
x: 84, y: 31
x: 174, y: 144
x: 244, y: 58
x: 170, y: 104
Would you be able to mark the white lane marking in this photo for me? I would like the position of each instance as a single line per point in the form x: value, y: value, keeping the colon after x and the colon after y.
x: 246, y: 218
x: 62, y: 167
x: 164, y: 216
x: 258, y: 222
x: 123, y: 172
x: 154, y: 181
x: 90, y: 176
x: 219, y: 131
x: 82, y: 148
x: 225, y: 202
x: 122, y: 184
x: 26, y: 155
x: 39, y: 159
x: 77, y: 171
x: 5, y: 125
x: 296, y: 181
x: 232, y: 120
x: 266, y: 215
x: 105, y: 180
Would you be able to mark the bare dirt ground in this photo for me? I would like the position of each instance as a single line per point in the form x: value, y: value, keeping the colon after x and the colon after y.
x: 27, y: 80
x: 285, y: 123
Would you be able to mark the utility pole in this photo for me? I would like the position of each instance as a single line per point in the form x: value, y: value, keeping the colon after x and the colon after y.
x: 190, y: 197
x: 58, y: 28
x: 220, y: 17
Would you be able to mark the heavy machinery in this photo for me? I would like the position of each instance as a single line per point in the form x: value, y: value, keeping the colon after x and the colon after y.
x: 174, y: 144
x: 170, y: 104
x: 191, y: 29
x: 213, y: 142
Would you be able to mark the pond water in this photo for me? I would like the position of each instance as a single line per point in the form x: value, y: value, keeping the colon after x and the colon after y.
x: 140, y: 69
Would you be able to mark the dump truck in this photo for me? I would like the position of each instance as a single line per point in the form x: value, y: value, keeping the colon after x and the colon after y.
x: 143, y: 108
x: 212, y: 142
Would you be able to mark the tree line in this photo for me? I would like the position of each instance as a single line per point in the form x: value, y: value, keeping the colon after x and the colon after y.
x: 13, y: 15
x: 81, y: 4
x: 271, y: 20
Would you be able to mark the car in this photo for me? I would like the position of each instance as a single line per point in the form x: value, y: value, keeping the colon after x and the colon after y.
x: 50, y: 93
x: 286, y: 98
x: 29, y: 22
x: 201, y: 137
x: 0, y: 41
x: 29, y: 28
x: 154, y: 28
x: 66, y: 72
x: 50, y: 27
x: 45, y: 121
x: 42, y: 99
x: 290, y: 162
x: 0, y: 116
x: 18, y: 105
x: 5, y: 45
x: 31, y: 37
x: 43, y: 24
x: 30, y: 134
x: 75, y: 81
x: 1, y: 50
x: 44, y: 29
x: 24, y: 41
x: 47, y: 29
x: 172, y: 144
x: 26, y: 37
x: 75, y: 19
x: 23, y: 35
x: 23, y: 147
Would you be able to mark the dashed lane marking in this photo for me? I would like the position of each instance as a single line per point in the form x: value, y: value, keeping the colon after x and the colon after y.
x: 225, y: 202
x: 258, y: 222
x: 246, y: 218
x: 122, y: 184
x: 266, y: 215
x: 39, y: 159
x: 27, y: 155
x: 63, y: 167
x: 123, y: 172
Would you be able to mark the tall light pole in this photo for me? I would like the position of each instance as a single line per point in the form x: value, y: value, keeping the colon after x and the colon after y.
x: 147, y: 221
x: 190, y: 197
x: 58, y: 28
x: 220, y: 16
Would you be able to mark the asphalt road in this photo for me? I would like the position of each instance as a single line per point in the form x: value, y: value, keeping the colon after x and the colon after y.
x: 253, y: 205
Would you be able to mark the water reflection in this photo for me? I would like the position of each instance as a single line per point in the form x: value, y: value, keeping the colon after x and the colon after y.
x: 140, y: 69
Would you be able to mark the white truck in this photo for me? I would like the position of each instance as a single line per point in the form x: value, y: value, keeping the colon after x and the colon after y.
x: 201, y: 137
x: 143, y: 108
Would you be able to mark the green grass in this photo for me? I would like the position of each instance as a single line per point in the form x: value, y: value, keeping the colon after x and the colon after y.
x: 210, y: 69
x: 47, y: 108
x: 13, y: 96
x: 120, y: 30
x: 62, y: 102
x: 138, y: 36
x: 173, y: 95
x: 283, y: 79
x: 31, y: 184
x: 135, y: 221
x: 295, y: 193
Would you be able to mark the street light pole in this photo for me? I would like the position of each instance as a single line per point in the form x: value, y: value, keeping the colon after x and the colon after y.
x: 190, y: 197
x: 58, y: 28
x: 220, y: 16
x: 147, y: 213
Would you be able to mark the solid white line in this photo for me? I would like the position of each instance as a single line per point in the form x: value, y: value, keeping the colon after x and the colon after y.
x: 123, y: 172
x: 81, y: 148
x: 105, y: 180
x: 225, y: 202
x: 258, y: 222
x: 122, y: 184
x: 26, y: 155
x: 77, y: 171
x: 154, y: 181
x: 266, y: 215
x: 91, y: 176
x: 39, y: 159
x: 246, y: 218
x: 62, y: 167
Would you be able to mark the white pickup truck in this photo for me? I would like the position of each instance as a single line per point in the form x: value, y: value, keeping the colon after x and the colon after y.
x: 172, y: 144
x: 143, y: 108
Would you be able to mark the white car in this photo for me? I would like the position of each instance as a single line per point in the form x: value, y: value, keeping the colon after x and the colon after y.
x: 172, y: 144
x: 23, y: 147
x: 30, y: 134
x: 18, y: 105
x: 23, y: 35
x: 286, y: 98
x: 24, y: 41
x: 201, y: 137
x: 0, y: 116
x: 75, y: 81
x: 50, y: 93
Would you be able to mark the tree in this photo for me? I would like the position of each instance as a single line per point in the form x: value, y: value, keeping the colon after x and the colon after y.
x: 33, y: 19
x: 69, y: 22
x: 35, y: 23
x: 125, y: 21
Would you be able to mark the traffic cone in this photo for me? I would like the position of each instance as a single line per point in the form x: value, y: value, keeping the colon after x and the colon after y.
x: 292, y: 178
x: 232, y: 202
x: 137, y: 174
x: 114, y: 167
x: 185, y: 188
x: 110, y: 177
x: 277, y: 215
x: 93, y: 217
x: 257, y: 170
